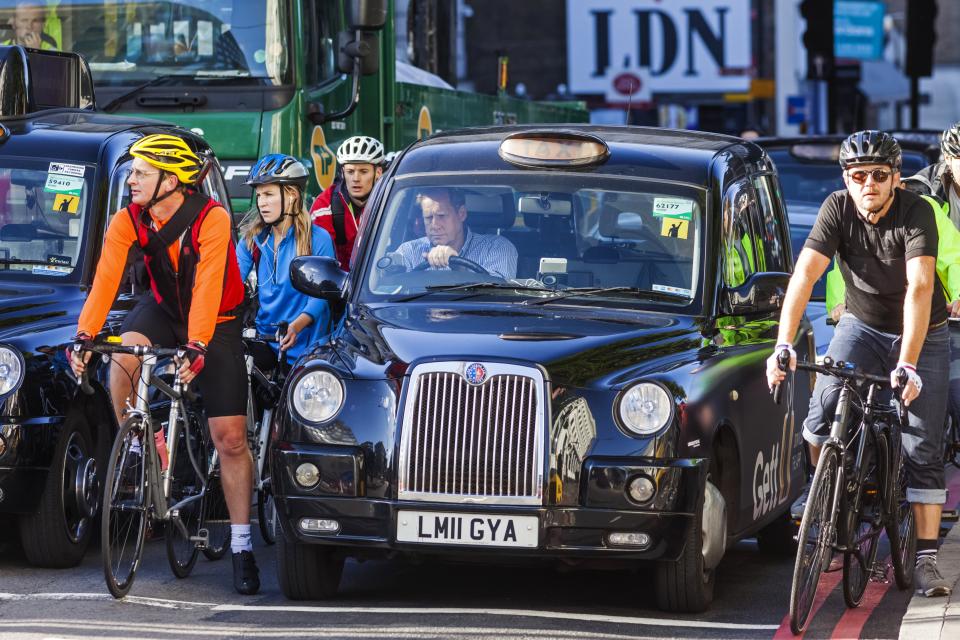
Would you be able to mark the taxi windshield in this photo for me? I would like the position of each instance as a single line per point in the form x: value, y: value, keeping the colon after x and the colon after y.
x: 129, y: 43
x: 42, y: 210
x: 538, y: 237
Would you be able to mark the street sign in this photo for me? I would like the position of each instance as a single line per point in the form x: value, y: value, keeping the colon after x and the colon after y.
x: 796, y: 109
x: 858, y: 29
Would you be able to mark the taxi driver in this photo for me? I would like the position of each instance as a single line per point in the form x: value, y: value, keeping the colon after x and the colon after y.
x: 448, y: 235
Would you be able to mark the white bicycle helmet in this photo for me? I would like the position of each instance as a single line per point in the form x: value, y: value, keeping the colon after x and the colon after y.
x: 360, y: 149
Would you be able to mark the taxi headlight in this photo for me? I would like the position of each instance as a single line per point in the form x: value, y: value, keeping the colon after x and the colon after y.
x: 645, y: 408
x: 317, y: 396
x: 11, y: 370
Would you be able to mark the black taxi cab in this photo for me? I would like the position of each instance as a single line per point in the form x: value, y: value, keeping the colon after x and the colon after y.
x: 552, y: 345
x: 63, y: 170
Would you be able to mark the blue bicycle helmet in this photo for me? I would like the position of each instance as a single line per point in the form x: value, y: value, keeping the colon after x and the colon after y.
x: 278, y: 168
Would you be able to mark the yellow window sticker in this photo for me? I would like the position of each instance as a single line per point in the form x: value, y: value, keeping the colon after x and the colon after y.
x: 674, y: 228
x: 66, y: 203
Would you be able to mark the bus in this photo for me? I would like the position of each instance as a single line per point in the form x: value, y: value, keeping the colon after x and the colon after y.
x: 259, y: 76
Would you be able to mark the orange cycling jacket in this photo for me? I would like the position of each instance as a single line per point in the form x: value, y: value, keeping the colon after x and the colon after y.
x: 216, y: 276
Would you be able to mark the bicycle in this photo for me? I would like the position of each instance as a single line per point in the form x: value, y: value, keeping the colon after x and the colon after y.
x: 138, y: 493
x: 858, y: 492
x: 259, y: 432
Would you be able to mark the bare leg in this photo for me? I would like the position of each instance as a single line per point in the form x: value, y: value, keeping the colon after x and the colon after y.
x: 124, y: 374
x: 928, y: 520
x: 236, y: 465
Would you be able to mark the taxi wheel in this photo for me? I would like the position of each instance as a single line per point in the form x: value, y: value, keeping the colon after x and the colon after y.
x: 57, y: 534
x: 307, y: 571
x: 686, y: 585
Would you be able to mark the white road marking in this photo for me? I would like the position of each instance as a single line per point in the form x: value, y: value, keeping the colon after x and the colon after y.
x: 441, y: 611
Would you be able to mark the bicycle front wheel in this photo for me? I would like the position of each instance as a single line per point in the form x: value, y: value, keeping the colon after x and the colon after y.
x: 864, y: 522
x: 267, y: 516
x: 126, y: 502
x: 815, y: 540
x: 901, y: 526
x: 216, y: 517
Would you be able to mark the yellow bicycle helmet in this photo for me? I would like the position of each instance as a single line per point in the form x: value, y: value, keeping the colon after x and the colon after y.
x: 168, y: 153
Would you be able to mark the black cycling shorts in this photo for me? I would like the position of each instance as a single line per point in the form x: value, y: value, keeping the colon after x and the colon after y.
x: 223, y: 380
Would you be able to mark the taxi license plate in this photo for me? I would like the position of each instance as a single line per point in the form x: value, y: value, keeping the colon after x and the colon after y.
x: 434, y: 527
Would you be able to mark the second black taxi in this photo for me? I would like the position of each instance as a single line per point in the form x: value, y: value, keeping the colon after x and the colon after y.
x: 552, y: 345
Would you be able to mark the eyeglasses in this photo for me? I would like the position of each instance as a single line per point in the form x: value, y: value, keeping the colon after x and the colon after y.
x: 879, y: 175
x: 138, y: 175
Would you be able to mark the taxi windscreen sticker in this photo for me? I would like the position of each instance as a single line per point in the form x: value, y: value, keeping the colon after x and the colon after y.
x: 674, y: 228
x: 673, y: 208
x: 66, y: 203
x: 677, y: 290
x: 61, y: 168
x: 57, y: 183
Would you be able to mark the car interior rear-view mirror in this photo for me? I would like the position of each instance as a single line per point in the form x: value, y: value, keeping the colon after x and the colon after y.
x: 548, y: 204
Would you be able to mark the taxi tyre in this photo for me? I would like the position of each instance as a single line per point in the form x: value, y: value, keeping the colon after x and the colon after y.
x: 686, y: 585
x: 307, y: 571
x: 45, y: 534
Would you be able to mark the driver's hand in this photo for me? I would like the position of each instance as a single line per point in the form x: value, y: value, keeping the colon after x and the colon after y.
x: 439, y: 256
x: 838, y: 311
x: 32, y: 40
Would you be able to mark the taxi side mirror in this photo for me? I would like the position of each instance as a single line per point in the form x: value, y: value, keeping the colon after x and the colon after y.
x: 761, y: 293
x: 318, y: 276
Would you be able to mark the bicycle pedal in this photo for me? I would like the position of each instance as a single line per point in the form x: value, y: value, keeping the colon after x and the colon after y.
x: 949, y: 515
x: 880, y: 573
x: 202, y: 539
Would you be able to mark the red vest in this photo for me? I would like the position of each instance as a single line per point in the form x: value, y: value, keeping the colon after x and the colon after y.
x: 173, y: 288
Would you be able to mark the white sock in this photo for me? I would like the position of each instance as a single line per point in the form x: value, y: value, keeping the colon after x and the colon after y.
x: 240, y: 538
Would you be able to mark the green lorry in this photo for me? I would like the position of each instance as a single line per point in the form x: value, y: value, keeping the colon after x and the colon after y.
x: 260, y: 76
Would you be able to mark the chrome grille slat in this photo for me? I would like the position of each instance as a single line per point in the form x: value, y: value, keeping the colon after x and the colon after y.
x: 481, y: 443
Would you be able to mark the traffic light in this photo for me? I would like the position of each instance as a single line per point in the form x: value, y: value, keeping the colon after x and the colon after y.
x: 818, y: 38
x: 921, y: 35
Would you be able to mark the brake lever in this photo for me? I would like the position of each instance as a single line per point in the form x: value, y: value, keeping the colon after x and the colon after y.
x: 783, y: 360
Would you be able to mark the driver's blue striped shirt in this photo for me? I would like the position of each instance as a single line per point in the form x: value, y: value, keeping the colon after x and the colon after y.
x: 496, y: 254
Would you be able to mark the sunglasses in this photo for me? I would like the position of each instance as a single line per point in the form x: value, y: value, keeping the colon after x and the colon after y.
x: 879, y: 175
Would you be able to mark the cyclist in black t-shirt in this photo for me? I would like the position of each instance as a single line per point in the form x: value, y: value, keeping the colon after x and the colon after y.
x: 885, y: 242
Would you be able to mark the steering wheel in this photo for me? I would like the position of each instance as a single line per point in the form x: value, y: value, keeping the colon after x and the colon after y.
x: 457, y: 263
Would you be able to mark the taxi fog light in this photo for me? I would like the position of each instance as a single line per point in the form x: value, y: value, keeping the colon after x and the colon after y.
x: 308, y: 475
x: 641, y: 489
x: 316, y: 525
x: 629, y: 539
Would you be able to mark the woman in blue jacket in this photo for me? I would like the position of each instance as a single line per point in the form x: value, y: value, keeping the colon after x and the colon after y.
x: 280, y: 231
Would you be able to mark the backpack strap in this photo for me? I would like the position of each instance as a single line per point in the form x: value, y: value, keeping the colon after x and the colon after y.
x: 158, y: 241
x: 338, y: 211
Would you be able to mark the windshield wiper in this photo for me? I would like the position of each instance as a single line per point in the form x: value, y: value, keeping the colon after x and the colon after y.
x: 123, y: 97
x: 221, y: 77
x: 599, y: 291
x: 34, y: 262
x: 468, y: 286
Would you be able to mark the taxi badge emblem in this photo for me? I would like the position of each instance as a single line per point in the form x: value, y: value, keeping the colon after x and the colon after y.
x: 475, y: 373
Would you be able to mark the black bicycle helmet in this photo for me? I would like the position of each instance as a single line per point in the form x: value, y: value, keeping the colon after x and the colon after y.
x: 870, y: 147
x: 950, y: 142
x: 278, y: 168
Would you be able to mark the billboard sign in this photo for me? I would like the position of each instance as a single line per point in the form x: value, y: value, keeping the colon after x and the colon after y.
x: 858, y: 29
x: 669, y: 47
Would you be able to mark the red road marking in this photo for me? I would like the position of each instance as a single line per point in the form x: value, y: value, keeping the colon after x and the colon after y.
x: 828, y: 582
x: 851, y: 622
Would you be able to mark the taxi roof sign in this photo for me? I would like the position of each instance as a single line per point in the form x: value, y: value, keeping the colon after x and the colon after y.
x: 553, y: 149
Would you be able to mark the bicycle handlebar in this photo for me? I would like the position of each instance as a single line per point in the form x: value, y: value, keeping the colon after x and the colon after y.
x: 252, y: 335
x: 846, y: 370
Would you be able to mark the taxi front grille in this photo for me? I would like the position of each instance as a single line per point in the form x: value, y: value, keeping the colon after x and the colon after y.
x: 479, y: 443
